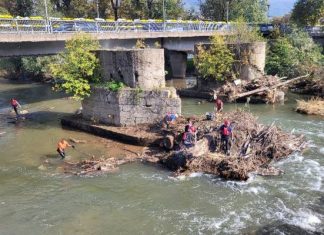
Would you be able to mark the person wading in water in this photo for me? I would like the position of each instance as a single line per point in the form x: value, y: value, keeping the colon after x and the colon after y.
x: 15, y: 105
x: 219, y: 105
x: 61, y: 146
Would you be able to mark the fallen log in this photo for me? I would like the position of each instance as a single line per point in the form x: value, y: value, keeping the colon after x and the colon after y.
x: 259, y: 90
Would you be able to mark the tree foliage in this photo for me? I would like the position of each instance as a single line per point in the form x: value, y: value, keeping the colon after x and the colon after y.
x: 294, y: 54
x: 214, y: 62
x: 77, y: 66
x: 307, y: 12
x: 241, y: 32
x: 250, y: 10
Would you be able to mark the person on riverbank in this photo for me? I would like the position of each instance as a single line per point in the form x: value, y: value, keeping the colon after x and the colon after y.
x: 61, y: 146
x: 188, y: 138
x: 15, y: 105
x: 169, y: 119
x: 226, y: 133
x: 219, y: 105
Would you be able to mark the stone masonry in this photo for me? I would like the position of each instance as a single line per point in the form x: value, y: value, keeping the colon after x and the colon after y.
x: 145, y: 100
x: 130, y: 106
x: 142, y: 68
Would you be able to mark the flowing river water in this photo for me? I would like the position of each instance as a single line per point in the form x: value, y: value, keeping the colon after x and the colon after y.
x: 145, y: 199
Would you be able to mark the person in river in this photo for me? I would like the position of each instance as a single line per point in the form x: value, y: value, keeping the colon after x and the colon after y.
x: 226, y: 133
x: 15, y: 105
x: 219, y: 105
x: 61, y: 146
x: 188, y: 138
x: 169, y: 119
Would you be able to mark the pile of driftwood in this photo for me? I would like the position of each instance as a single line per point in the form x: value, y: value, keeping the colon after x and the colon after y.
x: 96, y: 166
x: 254, y: 148
x: 266, y: 89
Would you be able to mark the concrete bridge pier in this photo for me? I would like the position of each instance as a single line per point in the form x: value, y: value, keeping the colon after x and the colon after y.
x: 178, y: 62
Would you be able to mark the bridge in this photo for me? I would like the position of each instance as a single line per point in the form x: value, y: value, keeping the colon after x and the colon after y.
x: 30, y: 37
x: 37, y: 36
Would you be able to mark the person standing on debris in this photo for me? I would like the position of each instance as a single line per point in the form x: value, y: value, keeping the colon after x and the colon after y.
x: 170, y: 118
x: 192, y: 128
x: 188, y: 138
x: 219, y: 105
x: 61, y: 146
x: 226, y: 136
x: 15, y: 105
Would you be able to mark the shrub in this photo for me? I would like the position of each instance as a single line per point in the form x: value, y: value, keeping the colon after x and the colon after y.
x: 214, y: 62
x: 77, y: 66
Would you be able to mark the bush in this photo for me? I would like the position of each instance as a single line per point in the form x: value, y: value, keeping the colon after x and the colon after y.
x: 214, y: 62
x: 77, y: 66
x: 293, y: 54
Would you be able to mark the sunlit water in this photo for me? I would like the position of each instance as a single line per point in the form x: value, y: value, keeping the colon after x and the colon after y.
x: 143, y: 199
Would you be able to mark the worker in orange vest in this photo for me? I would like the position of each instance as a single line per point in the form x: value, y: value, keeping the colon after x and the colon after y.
x: 61, y: 146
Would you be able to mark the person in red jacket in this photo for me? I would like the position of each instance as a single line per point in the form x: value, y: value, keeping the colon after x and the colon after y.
x: 219, y: 105
x: 226, y: 133
x: 15, y: 105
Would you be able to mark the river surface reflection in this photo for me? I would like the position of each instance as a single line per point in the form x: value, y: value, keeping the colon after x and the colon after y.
x: 143, y: 199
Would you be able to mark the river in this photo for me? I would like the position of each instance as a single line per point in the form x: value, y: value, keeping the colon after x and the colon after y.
x: 144, y: 199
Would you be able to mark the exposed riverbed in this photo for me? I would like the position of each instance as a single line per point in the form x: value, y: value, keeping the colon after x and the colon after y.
x: 144, y: 199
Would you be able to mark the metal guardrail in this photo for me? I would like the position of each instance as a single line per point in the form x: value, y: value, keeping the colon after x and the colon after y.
x: 67, y: 26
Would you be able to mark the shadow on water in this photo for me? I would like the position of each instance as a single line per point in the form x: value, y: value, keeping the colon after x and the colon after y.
x: 37, y: 120
x: 27, y: 93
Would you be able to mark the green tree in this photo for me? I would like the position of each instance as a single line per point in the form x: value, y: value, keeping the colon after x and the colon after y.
x: 281, y: 58
x: 38, y: 67
x: 20, y: 7
x: 214, y: 62
x: 250, y: 10
x: 294, y: 54
x: 77, y: 66
x: 307, y: 12
x: 241, y: 32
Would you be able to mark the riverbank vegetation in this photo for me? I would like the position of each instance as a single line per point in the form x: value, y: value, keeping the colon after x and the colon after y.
x: 314, y: 106
x: 292, y: 54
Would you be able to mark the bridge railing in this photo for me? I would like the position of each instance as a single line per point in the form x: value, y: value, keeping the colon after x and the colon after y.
x: 39, y: 25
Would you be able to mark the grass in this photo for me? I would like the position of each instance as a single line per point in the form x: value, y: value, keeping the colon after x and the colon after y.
x: 314, y: 106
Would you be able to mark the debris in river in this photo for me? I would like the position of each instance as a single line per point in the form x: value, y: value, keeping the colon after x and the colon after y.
x: 265, y: 89
x: 254, y: 148
x: 314, y: 106
x: 95, y: 166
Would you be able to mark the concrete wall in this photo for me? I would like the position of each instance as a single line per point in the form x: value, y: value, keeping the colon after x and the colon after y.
x: 142, y: 68
x: 130, y: 106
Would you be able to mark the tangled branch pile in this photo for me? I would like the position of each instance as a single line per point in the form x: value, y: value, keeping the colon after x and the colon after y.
x: 254, y: 148
x: 95, y: 166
